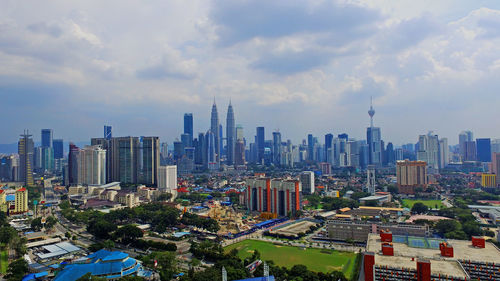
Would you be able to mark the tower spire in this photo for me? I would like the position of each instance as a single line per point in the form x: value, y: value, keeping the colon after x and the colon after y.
x: 371, y: 112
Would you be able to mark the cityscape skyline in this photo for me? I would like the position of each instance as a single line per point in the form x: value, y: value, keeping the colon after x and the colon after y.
x: 248, y: 131
x: 316, y: 72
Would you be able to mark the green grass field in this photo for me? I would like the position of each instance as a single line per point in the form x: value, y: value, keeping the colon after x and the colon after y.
x: 3, y: 261
x: 429, y: 203
x: 289, y: 256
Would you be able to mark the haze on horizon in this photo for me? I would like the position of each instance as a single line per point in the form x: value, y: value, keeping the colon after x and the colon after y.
x: 297, y: 66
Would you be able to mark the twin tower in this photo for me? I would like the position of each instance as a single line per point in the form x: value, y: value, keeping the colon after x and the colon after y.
x: 215, y: 128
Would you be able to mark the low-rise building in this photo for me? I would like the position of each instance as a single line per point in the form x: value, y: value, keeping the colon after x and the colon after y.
x: 343, y: 230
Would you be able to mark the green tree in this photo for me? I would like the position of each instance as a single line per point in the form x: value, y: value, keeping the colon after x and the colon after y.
x: 7, y: 233
x: 101, y: 228
x: 50, y: 222
x: 419, y: 208
x: 445, y: 226
x: 16, y: 270
x: 36, y: 224
x: 128, y: 233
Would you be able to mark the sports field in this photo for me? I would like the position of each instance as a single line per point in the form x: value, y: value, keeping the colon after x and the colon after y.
x: 429, y: 203
x: 288, y: 256
x: 3, y: 261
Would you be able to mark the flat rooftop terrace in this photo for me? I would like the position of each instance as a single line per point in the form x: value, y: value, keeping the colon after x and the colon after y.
x: 462, y: 249
x: 438, y: 267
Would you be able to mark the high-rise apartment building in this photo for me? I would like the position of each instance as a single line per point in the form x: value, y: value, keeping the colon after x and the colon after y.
x: 230, y: 135
x: 91, y: 165
x: 25, y: 148
x: 483, y: 147
x: 428, y: 151
x: 307, y: 182
x: 444, y: 153
x: 411, y: 175
x: 150, y: 160
x: 278, y: 197
x: 125, y: 159
x: 167, y: 179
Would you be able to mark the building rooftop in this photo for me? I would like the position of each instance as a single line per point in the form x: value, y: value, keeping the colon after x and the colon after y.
x: 462, y: 249
x: 442, y: 267
x: 104, y: 263
x: 373, y: 197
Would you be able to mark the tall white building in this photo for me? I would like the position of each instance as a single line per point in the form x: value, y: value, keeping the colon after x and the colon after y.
x: 167, y: 179
x: 307, y: 182
x: 428, y: 151
x: 444, y: 153
x: 92, y: 165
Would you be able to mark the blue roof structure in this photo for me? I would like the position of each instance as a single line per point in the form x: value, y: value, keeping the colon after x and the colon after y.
x: 10, y: 197
x: 35, y: 276
x: 268, y: 278
x: 260, y: 224
x: 103, y: 262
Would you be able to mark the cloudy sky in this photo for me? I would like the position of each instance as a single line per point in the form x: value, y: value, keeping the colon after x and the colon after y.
x: 297, y: 66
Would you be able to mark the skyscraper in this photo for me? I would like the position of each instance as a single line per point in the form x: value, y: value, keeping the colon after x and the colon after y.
x: 150, y: 160
x: 307, y: 181
x: 214, y: 128
x: 483, y: 147
x: 188, y: 125
x: 125, y: 159
x: 25, y: 148
x: 428, y: 151
x: 444, y: 153
x: 329, y: 148
x: 58, y: 145
x: 230, y: 134
x: 108, y: 132
x: 464, y: 137
x: 106, y: 145
x: 310, y: 147
x: 46, y: 137
x: 239, y: 133
x: 92, y: 165
x: 277, y: 151
x: 72, y: 174
x: 211, y: 148
x: 260, y: 141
